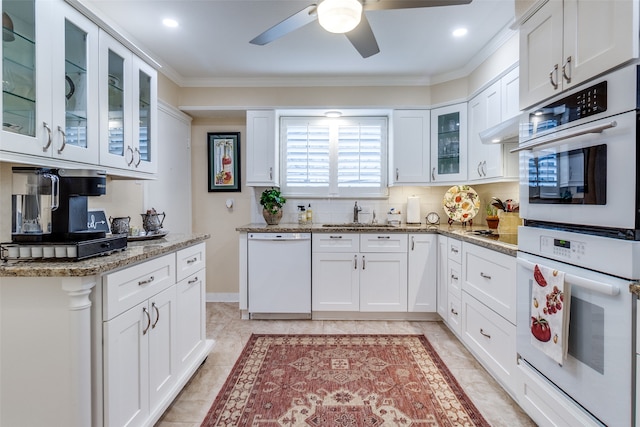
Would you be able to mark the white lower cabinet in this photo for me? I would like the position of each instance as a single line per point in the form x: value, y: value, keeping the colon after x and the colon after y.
x: 442, y: 276
x: 139, y: 364
x: 359, y: 272
x: 491, y: 338
x: 422, y: 264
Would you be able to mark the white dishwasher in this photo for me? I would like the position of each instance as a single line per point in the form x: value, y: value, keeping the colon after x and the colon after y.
x: 279, y: 277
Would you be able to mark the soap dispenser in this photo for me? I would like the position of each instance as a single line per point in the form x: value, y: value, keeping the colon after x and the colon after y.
x: 302, y: 215
x: 309, y: 214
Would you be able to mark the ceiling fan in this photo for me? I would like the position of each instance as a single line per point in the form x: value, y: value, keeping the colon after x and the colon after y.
x: 348, y: 17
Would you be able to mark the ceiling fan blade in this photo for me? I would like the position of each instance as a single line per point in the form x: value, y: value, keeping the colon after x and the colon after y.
x: 362, y: 38
x: 292, y: 23
x: 409, y: 4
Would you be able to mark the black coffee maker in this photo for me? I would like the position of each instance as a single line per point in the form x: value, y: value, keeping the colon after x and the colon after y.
x: 50, y: 205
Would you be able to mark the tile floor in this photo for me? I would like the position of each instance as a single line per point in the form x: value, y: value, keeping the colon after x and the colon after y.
x: 231, y: 333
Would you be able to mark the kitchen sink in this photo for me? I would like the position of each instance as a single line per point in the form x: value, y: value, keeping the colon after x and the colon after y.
x: 358, y: 225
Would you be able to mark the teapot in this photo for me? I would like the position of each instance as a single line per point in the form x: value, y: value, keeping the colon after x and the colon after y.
x: 120, y: 225
x: 151, y: 221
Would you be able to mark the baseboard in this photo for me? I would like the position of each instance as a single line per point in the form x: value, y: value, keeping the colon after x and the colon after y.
x: 222, y: 297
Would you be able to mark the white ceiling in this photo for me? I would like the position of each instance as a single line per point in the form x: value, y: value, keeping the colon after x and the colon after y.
x: 211, y: 45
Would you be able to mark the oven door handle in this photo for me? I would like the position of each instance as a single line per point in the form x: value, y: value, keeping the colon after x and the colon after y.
x: 592, y: 285
x: 557, y: 138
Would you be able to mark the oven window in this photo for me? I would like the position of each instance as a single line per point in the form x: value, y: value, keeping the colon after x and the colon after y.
x: 586, y: 333
x: 570, y: 177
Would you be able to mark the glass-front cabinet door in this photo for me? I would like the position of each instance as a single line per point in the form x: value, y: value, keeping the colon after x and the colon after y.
x: 144, y: 121
x: 449, y: 143
x: 49, y: 59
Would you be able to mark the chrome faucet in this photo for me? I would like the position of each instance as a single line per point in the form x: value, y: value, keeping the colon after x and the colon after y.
x: 356, y: 210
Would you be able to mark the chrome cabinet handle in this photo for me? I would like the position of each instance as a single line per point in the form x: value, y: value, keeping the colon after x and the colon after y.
x: 146, y: 312
x: 397, y: 174
x: 384, y: 237
x: 155, y: 307
x: 433, y: 174
x: 139, y: 157
x: 454, y: 250
x: 566, y: 65
x: 129, y: 149
x: 270, y: 173
x: 49, y: 139
x: 454, y: 277
x: 335, y: 237
x: 413, y: 242
x: 147, y: 281
x: 192, y: 281
x: 555, y: 70
x: 363, y: 264
x: 478, y: 169
x: 355, y: 262
x: 484, y: 168
x: 455, y: 313
x: 483, y: 333
x: 485, y: 276
x: 192, y: 260
x: 64, y: 140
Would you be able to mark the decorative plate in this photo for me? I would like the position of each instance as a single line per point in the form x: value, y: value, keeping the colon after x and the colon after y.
x: 461, y: 203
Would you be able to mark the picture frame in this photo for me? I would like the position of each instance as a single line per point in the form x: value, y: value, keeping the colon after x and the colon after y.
x: 223, y: 161
x: 97, y: 220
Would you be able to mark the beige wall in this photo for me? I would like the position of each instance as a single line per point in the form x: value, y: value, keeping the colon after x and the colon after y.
x: 168, y: 91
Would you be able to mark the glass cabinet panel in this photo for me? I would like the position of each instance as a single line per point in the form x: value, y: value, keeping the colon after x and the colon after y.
x: 449, y: 143
x: 18, y: 67
x: 145, y: 117
x: 75, y: 85
x: 116, y: 104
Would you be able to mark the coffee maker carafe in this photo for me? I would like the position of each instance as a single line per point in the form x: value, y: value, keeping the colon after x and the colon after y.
x: 35, y: 197
x: 50, y: 205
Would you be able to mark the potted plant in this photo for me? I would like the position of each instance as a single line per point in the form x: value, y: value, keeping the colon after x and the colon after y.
x: 272, y: 203
x: 492, y: 217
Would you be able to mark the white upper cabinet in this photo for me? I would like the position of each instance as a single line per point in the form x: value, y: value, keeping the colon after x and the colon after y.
x: 128, y: 109
x: 568, y: 42
x: 411, y: 149
x: 492, y: 106
x: 262, y: 149
x: 50, y: 93
x: 449, y: 143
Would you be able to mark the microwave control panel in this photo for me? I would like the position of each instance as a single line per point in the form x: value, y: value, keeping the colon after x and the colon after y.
x: 567, y: 250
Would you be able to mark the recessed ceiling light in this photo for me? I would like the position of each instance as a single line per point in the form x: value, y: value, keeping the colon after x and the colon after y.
x: 459, y: 32
x: 168, y: 22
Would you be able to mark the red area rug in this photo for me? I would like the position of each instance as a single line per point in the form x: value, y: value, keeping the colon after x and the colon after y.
x: 341, y: 381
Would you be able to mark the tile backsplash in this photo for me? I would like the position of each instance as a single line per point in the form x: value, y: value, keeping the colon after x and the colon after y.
x: 341, y: 210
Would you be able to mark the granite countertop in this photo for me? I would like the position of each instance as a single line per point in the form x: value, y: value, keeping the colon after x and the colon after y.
x: 135, y: 252
x: 504, y: 243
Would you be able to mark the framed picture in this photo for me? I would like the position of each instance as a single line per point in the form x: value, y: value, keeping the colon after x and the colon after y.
x: 224, y: 161
x: 97, y: 220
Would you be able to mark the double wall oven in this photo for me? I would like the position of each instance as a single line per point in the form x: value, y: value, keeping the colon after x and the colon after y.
x: 579, y: 197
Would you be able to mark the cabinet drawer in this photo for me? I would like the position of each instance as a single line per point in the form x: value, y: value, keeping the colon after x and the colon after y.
x: 335, y: 242
x: 383, y: 242
x: 190, y: 260
x: 454, y: 278
x: 126, y: 288
x: 454, y: 250
x: 491, y: 338
x: 454, y: 314
x: 491, y: 278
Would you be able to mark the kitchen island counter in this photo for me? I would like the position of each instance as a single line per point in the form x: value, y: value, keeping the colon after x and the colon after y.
x: 504, y: 243
x: 135, y: 252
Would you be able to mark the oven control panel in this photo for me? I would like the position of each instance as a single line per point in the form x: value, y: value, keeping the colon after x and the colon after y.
x: 562, y: 249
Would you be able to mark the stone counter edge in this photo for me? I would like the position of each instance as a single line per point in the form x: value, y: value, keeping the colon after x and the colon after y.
x: 135, y: 252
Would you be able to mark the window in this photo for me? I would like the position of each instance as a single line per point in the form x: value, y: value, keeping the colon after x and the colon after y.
x: 329, y: 157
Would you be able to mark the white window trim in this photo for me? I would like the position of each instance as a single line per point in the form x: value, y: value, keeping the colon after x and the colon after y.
x: 334, y: 191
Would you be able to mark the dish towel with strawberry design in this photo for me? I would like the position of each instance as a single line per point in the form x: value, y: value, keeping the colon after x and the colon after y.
x: 550, y: 298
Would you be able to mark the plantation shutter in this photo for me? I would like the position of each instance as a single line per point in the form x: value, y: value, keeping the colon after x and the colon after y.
x: 333, y: 157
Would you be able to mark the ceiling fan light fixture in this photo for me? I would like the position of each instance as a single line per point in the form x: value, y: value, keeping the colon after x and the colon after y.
x: 339, y: 16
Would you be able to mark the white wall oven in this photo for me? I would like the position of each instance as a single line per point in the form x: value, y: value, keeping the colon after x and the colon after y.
x: 579, y: 159
x: 579, y: 198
